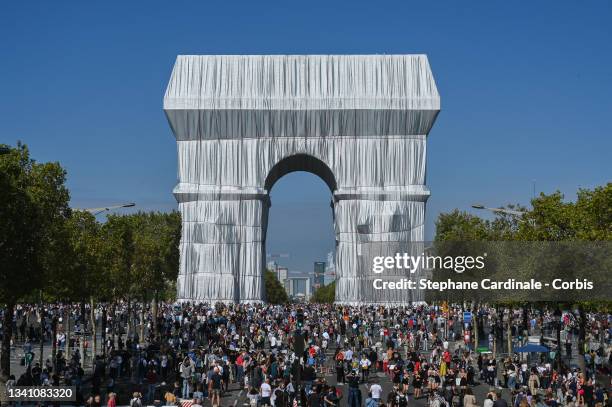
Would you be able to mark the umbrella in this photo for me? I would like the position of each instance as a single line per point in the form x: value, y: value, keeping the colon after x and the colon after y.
x: 530, y: 347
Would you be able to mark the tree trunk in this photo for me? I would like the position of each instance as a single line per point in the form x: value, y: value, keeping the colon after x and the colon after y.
x: 67, y: 334
x: 142, y: 321
x: 82, y: 350
x: 54, y: 343
x: 558, y: 325
x: 475, y: 325
x: 112, y: 324
x: 509, y: 331
x: 42, y: 335
x: 104, y: 331
x: 154, y: 315
x: 5, y: 358
x: 525, y: 322
x: 494, y: 350
x: 129, y: 315
x: 581, y: 337
x: 92, y: 326
x: 82, y: 318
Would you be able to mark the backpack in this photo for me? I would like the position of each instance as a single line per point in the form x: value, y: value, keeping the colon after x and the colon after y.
x: 339, y: 393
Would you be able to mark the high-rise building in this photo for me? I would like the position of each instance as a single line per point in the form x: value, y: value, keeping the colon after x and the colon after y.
x: 319, y: 274
x: 272, y: 266
x: 330, y: 269
x: 282, y: 273
x: 298, y: 288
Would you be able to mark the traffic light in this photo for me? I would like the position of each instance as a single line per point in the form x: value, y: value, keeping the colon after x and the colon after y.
x: 300, y: 318
x: 298, y: 344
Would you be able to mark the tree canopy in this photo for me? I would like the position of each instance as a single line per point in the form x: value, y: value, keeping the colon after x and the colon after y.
x: 275, y: 293
x: 325, y: 294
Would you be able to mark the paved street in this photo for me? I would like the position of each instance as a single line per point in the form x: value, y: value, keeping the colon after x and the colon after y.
x: 236, y: 396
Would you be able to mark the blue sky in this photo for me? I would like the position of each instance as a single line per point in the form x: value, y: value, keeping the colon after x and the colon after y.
x: 525, y: 86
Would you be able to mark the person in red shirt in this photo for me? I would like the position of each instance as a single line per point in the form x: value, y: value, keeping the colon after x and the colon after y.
x: 240, y: 367
x: 151, y: 383
x: 447, y: 357
x: 112, y: 402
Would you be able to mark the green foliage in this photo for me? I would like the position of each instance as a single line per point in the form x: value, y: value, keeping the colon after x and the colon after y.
x: 144, y: 253
x: 119, y: 237
x: 458, y: 225
x: 67, y: 255
x: 275, y: 292
x: 325, y: 294
x: 552, y: 218
x: 156, y: 240
x: 86, y: 272
x: 33, y: 209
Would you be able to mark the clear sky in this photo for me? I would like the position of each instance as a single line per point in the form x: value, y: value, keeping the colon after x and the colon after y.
x: 525, y: 87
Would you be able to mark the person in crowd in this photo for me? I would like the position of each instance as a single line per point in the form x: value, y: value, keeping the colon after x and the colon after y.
x: 212, y: 351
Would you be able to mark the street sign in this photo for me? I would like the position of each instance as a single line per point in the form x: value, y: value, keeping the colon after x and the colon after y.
x: 467, y: 317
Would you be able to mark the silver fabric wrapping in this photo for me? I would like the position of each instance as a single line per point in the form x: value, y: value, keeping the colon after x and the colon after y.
x: 242, y: 122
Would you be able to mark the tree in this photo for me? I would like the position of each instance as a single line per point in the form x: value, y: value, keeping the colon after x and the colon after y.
x: 588, y: 219
x: 461, y: 226
x: 118, y: 232
x: 551, y: 219
x: 85, y: 279
x: 33, y: 207
x: 325, y: 294
x: 275, y: 292
x: 156, y: 254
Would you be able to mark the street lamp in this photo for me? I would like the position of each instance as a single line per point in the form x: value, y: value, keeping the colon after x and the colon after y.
x: 500, y: 210
x: 97, y: 211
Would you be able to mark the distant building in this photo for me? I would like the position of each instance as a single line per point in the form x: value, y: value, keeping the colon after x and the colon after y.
x: 330, y: 269
x: 282, y: 273
x: 272, y: 265
x: 299, y: 288
x: 319, y: 274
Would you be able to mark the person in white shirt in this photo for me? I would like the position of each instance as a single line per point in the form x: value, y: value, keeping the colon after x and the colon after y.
x: 266, y: 391
x: 376, y: 391
x: 365, y: 363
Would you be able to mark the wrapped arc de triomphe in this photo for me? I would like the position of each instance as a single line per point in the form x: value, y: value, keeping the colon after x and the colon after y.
x: 360, y: 122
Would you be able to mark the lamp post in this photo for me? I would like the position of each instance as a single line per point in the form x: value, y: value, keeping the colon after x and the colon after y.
x: 500, y: 210
x: 97, y: 211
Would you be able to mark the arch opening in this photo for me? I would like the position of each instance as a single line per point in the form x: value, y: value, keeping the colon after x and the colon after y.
x: 301, y: 162
x: 300, y: 232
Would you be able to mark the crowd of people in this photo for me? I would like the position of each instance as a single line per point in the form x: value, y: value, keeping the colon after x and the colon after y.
x: 319, y: 356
